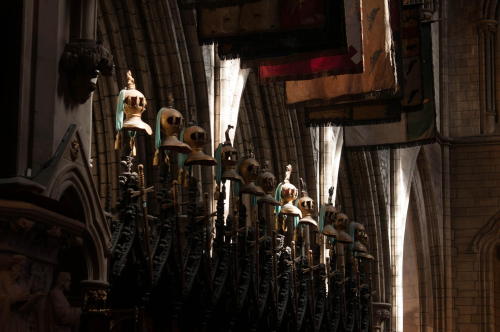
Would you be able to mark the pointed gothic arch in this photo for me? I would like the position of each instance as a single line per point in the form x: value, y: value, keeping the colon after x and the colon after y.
x: 484, y: 245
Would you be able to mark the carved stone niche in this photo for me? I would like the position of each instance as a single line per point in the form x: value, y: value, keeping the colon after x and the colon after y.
x: 31, y: 240
x: 81, y: 63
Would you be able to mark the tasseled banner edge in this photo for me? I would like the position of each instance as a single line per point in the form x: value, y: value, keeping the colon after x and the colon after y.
x: 196, y: 4
x: 307, y: 76
x: 400, y: 145
x: 347, y: 123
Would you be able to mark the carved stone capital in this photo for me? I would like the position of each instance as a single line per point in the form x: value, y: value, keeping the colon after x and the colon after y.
x: 381, y: 314
x: 81, y: 63
x: 95, y: 295
x: 488, y: 26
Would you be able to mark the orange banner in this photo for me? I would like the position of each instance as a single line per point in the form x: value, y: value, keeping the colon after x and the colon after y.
x: 378, y: 59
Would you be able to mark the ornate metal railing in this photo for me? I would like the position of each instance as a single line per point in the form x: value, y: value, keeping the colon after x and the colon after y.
x: 258, y: 268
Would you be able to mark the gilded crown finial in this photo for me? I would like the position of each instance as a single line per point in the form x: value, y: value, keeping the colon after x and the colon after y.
x: 130, y: 81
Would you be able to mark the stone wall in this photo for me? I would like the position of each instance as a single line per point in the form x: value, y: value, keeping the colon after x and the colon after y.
x: 475, y: 200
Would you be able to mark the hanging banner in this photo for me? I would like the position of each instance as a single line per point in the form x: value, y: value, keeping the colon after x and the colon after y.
x: 270, y: 28
x: 309, y: 65
x: 351, y: 114
x: 211, y: 3
x: 413, y: 94
x: 379, y: 61
x: 416, y: 127
x: 377, y: 107
x: 264, y: 16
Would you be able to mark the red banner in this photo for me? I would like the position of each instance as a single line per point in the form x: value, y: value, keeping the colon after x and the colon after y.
x: 315, y: 64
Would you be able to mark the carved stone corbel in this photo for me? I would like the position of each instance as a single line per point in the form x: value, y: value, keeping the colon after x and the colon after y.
x: 81, y: 63
x: 96, y: 313
x: 381, y: 315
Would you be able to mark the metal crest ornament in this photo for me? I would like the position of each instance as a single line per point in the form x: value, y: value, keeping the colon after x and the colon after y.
x: 170, y: 121
x: 196, y: 138
x: 229, y: 159
x: 289, y: 194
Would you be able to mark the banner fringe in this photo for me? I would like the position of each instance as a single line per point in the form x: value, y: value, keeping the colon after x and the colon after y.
x: 400, y: 145
x: 347, y: 123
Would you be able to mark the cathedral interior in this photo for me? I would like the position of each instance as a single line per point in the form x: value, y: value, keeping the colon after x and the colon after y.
x: 250, y: 165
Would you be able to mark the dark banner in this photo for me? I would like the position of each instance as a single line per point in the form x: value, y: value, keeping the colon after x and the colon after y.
x: 416, y: 127
x: 413, y: 92
x: 273, y: 28
x: 309, y: 65
x: 212, y: 3
x: 353, y: 114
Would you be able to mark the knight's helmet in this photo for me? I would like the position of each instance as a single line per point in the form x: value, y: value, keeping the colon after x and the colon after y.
x: 196, y: 138
x: 132, y: 103
x: 340, y: 224
x: 267, y: 181
x: 169, y: 122
x: 307, y: 206
x: 289, y: 194
x: 360, y: 246
x: 249, y: 170
x: 330, y: 214
x: 229, y: 159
